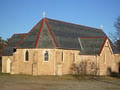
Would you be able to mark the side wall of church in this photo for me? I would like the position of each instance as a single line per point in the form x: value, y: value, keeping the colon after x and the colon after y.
x: 59, y: 62
x: 107, y: 61
x: 88, y: 64
x: 4, y: 62
x: 35, y: 64
x: 117, y: 59
x: 65, y: 60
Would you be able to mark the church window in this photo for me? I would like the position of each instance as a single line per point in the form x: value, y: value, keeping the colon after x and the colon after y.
x: 26, y: 55
x: 46, y: 56
x: 62, y: 57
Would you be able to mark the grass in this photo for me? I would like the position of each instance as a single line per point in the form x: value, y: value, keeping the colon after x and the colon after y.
x: 64, y: 77
x: 0, y: 64
x: 65, y: 82
x: 79, y: 77
x: 4, y: 74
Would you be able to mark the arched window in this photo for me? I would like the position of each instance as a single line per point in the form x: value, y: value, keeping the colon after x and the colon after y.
x: 62, y: 57
x: 26, y: 56
x: 46, y: 56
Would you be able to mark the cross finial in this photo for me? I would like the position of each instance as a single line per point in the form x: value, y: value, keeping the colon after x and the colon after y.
x: 101, y: 27
x: 44, y: 14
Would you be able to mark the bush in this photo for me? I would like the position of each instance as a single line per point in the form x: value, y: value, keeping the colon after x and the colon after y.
x: 0, y: 65
x: 82, y: 68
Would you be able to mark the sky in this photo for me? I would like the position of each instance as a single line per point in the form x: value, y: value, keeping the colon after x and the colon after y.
x: 19, y: 16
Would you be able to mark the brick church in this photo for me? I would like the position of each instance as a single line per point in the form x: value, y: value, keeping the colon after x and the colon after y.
x: 51, y: 47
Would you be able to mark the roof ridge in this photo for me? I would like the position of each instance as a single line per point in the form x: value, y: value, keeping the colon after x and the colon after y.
x: 40, y: 29
x: 103, y: 46
x: 73, y: 24
x: 51, y: 33
x: 94, y: 37
x: 44, y: 20
x: 27, y: 34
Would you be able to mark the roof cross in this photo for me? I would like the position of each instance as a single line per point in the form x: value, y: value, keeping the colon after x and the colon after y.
x: 101, y: 27
x: 44, y: 14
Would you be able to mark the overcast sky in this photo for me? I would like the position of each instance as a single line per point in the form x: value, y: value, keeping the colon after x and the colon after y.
x: 19, y: 16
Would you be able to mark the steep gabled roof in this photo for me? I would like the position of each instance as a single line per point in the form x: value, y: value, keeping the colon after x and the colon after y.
x: 49, y: 33
x: 39, y: 37
x: 91, y: 45
x: 61, y: 35
x: 66, y: 34
x: 8, y: 50
x: 29, y: 40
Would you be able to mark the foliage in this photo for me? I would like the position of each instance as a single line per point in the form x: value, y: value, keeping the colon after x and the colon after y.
x: 117, y: 26
x: 117, y: 37
x: 2, y: 45
x: 117, y: 44
x: 85, y: 68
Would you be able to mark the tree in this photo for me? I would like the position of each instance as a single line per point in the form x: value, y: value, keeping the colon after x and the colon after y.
x: 2, y: 45
x: 117, y: 37
x: 117, y: 44
x: 1, y: 48
x: 117, y: 26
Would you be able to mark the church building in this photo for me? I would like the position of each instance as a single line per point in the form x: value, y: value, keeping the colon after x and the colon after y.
x: 53, y: 47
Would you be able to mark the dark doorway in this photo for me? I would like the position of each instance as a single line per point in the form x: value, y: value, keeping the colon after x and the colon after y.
x: 119, y: 67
